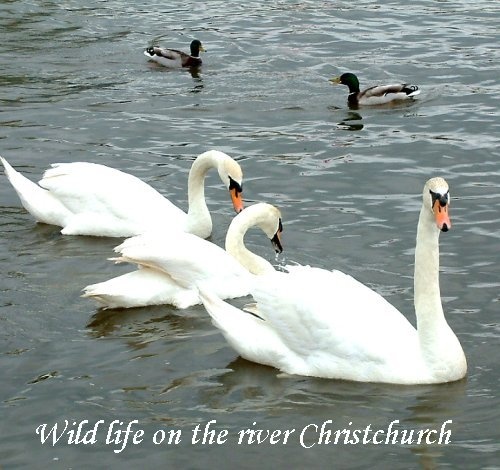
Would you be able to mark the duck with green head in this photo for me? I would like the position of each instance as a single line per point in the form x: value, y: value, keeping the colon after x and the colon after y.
x: 375, y: 95
x: 174, y: 58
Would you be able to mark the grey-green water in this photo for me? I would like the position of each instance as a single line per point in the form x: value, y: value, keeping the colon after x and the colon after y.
x: 74, y: 85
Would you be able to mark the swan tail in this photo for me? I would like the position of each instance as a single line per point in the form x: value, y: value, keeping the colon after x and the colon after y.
x: 42, y: 205
x: 224, y: 316
x: 103, y: 293
x: 105, y: 301
x: 139, y: 289
x: 246, y: 333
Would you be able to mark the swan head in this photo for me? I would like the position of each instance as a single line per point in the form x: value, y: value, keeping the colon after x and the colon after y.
x: 262, y: 215
x: 437, y: 200
x: 232, y: 176
x: 267, y: 218
x: 269, y: 221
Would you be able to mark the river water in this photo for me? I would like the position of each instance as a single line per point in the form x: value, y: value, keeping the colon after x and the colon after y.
x: 75, y: 86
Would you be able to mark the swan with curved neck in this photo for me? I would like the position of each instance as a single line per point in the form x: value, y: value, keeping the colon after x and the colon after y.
x: 171, y: 265
x: 92, y: 199
x: 262, y: 215
x: 321, y: 323
x: 199, y: 221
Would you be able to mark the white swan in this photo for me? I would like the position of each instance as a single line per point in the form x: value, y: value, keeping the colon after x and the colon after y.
x: 322, y: 323
x: 170, y: 265
x: 92, y: 199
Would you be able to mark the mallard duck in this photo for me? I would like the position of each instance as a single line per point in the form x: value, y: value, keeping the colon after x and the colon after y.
x: 171, y: 264
x: 379, y: 94
x: 92, y: 199
x: 174, y: 58
x: 315, y: 322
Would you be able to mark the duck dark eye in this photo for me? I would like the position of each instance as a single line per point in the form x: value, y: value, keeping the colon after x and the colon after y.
x: 234, y: 185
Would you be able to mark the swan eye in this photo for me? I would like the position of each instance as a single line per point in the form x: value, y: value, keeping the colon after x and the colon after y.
x: 236, y: 186
x: 442, y: 198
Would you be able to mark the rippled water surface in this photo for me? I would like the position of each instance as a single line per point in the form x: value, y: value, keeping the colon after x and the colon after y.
x: 74, y: 85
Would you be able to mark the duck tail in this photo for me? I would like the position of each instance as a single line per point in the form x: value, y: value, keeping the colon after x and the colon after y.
x: 411, y: 90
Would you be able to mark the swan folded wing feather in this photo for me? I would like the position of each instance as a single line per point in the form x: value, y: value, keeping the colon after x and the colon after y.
x: 188, y: 260
x: 80, y: 180
x: 100, y: 196
x: 244, y: 332
x: 170, y: 267
x: 139, y: 288
x: 359, y: 331
x: 36, y: 200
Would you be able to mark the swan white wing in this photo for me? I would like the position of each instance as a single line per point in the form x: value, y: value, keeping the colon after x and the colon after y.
x: 170, y: 268
x: 248, y: 334
x: 331, y: 322
x: 188, y: 260
x: 141, y: 288
x: 37, y: 201
x: 106, y: 201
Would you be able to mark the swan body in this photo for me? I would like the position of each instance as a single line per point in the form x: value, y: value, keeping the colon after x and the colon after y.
x: 92, y: 199
x: 173, y: 58
x: 321, y: 323
x: 170, y: 265
x: 375, y: 95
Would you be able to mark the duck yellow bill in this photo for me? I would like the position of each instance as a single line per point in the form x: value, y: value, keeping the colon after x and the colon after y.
x: 237, y: 198
x: 335, y: 80
x: 202, y: 49
x: 442, y: 216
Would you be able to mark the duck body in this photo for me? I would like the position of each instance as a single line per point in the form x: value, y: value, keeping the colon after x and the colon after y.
x: 321, y: 323
x: 174, y: 58
x: 92, y: 199
x: 172, y: 264
x: 375, y: 95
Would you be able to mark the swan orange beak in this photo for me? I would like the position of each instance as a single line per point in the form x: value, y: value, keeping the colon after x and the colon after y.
x: 237, y: 198
x: 442, y: 217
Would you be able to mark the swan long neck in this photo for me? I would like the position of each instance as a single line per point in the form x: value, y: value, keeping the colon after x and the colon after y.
x: 441, y: 350
x: 235, y: 245
x: 431, y: 322
x: 199, y: 221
